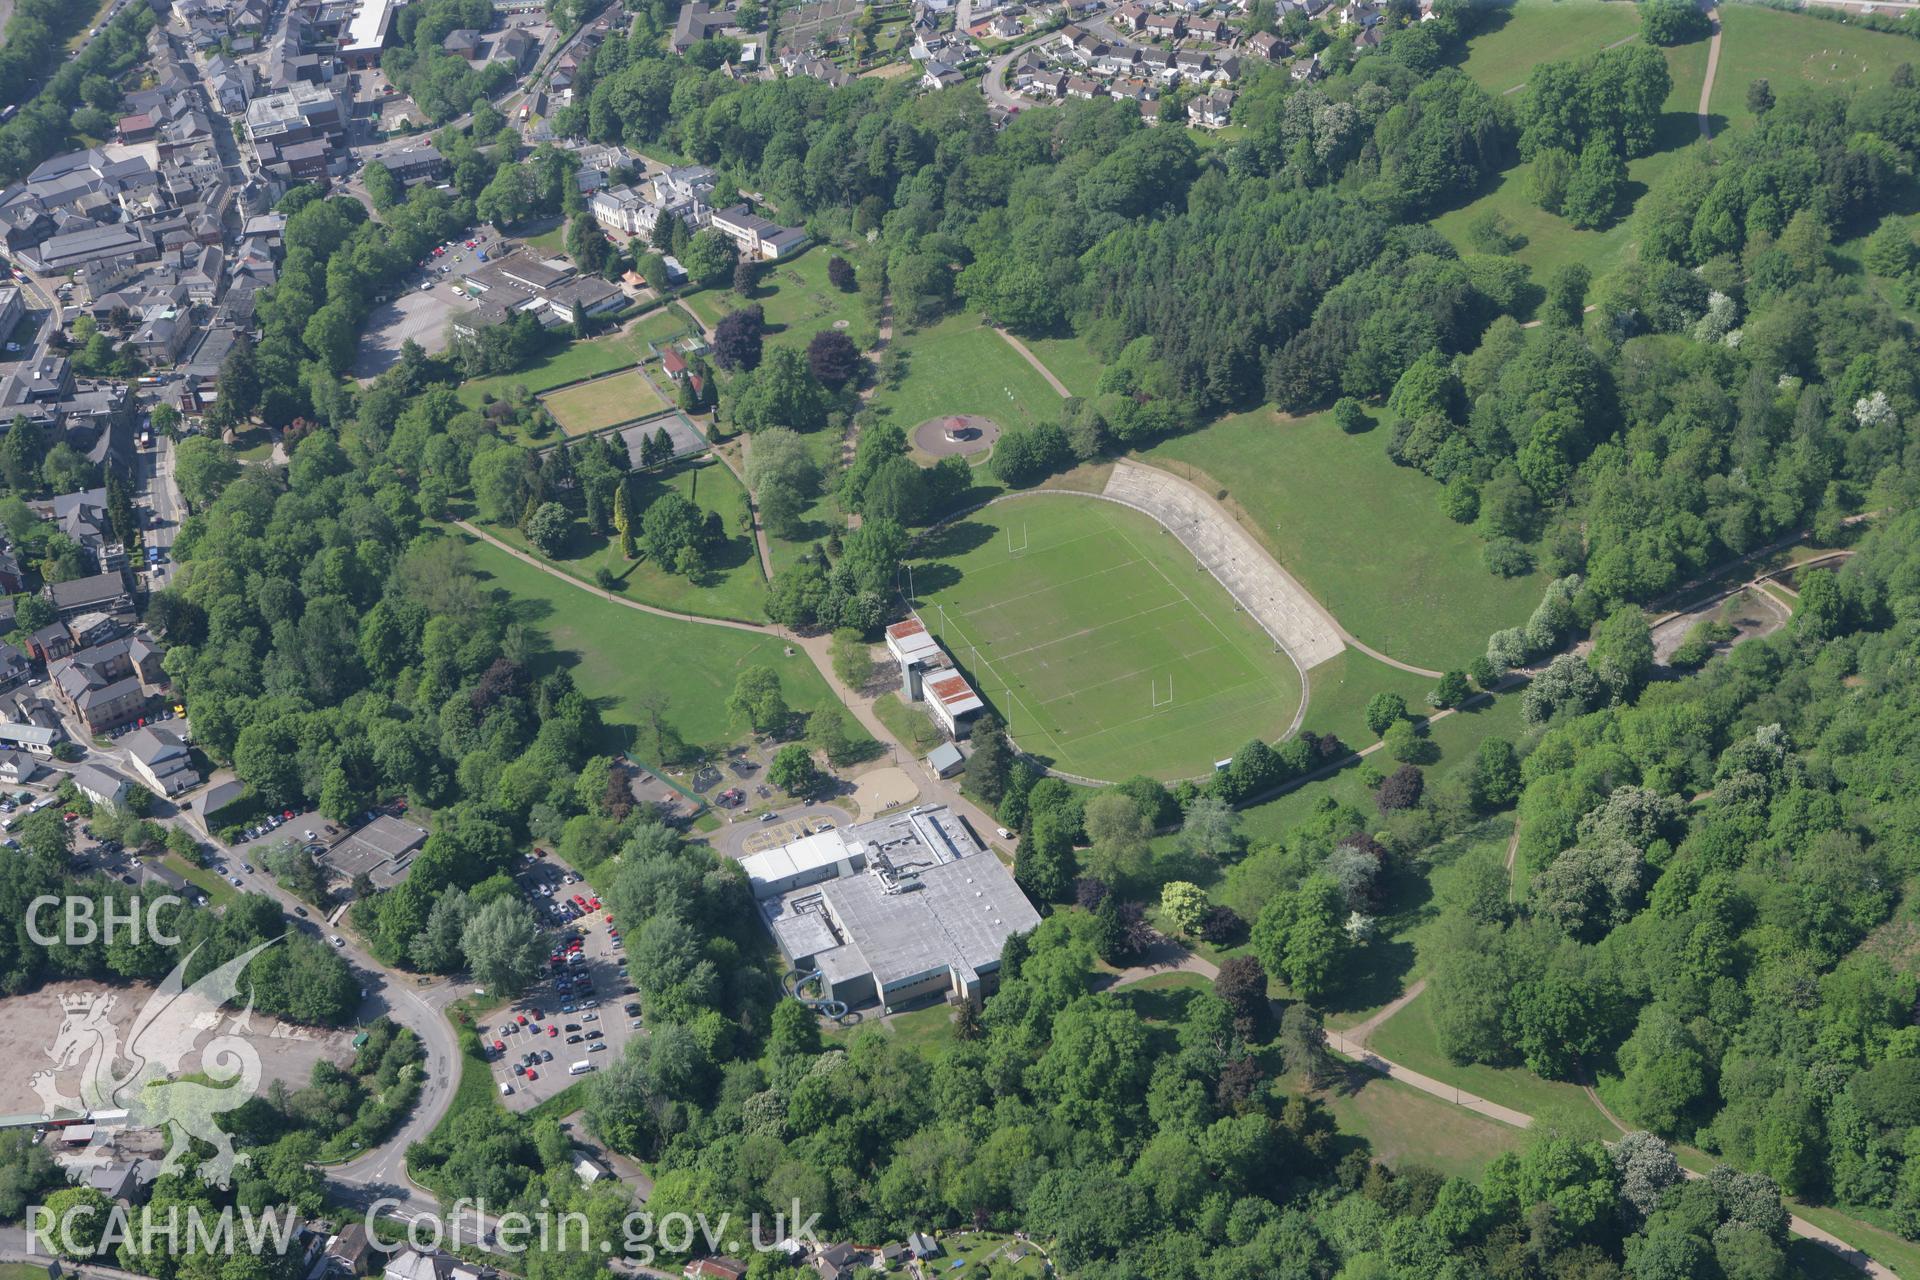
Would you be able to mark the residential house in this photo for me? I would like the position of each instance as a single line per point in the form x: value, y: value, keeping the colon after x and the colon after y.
x: 1307, y: 70
x: 1214, y: 29
x: 715, y: 1269
x: 1166, y: 26
x: 13, y: 665
x: 1211, y: 110
x: 463, y: 43
x: 98, y: 686
x: 1192, y: 64
x: 17, y: 767
x: 835, y: 1262
x: 101, y: 785
x: 815, y: 67
x: 161, y: 759
x: 935, y: 74
x: 1268, y: 46
x: 1081, y: 87
x: 50, y: 643
x: 1132, y: 16
x: 1150, y: 111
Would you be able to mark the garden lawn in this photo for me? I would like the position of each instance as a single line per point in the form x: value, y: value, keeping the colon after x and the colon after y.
x: 733, y: 587
x: 1070, y: 360
x: 1094, y: 615
x: 1551, y: 242
x: 797, y: 298
x: 1365, y: 536
x: 566, y: 363
x: 1519, y: 37
x: 603, y: 402
x: 1409, y: 1038
x: 616, y: 654
x: 961, y: 366
x: 1789, y: 50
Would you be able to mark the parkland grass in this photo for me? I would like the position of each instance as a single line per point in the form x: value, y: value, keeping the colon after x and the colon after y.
x: 1789, y: 50
x: 797, y: 298
x: 1365, y: 536
x: 1404, y: 1126
x: 1411, y: 1039
x: 1071, y: 361
x: 961, y: 366
x: 1087, y: 629
x: 732, y: 586
x: 1552, y: 242
x: 617, y: 654
x: 1519, y: 37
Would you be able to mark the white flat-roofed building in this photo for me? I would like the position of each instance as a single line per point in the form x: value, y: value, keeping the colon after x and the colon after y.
x: 927, y: 917
x: 806, y: 861
x: 367, y: 32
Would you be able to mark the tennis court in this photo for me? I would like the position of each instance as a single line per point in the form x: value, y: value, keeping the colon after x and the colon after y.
x: 1097, y: 639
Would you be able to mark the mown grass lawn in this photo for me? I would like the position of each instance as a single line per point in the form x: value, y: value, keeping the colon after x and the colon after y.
x: 797, y: 298
x: 1518, y: 37
x: 568, y: 362
x: 1402, y: 1126
x: 590, y: 406
x: 616, y: 654
x: 1793, y: 50
x: 733, y: 587
x: 1365, y: 536
x: 1551, y: 242
x: 961, y: 366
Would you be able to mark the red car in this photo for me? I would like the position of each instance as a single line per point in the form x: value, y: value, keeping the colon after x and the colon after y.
x: 532, y: 1074
x: 499, y: 1046
x: 520, y: 1018
x: 552, y: 1031
x: 539, y: 853
x: 537, y: 1014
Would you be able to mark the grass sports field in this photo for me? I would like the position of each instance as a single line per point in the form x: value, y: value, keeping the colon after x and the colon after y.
x: 589, y: 406
x: 567, y: 362
x: 1789, y: 50
x: 961, y: 366
x: 1366, y: 537
x: 1092, y: 618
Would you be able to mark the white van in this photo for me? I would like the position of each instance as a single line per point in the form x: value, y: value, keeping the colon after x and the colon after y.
x: 580, y: 1068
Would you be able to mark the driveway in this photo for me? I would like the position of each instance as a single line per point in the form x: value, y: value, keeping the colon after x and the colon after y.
x: 749, y: 836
